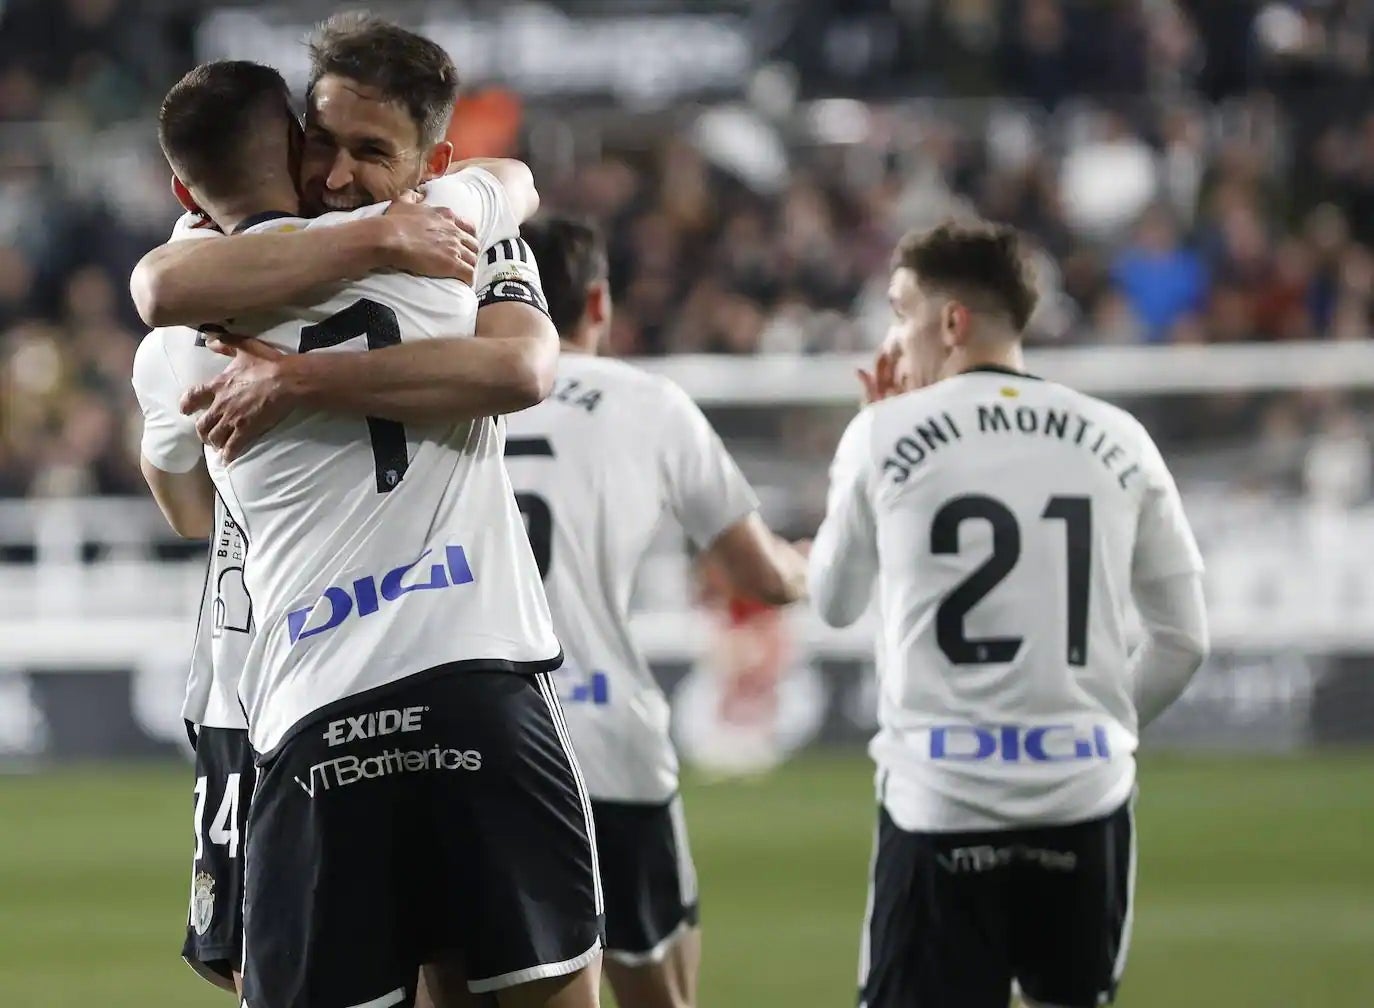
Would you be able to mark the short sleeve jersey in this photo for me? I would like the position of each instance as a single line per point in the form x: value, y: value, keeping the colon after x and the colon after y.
x: 596, y: 468
x: 377, y: 551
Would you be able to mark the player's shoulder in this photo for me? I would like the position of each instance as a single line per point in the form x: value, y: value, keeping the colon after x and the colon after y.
x: 161, y: 346
x: 610, y: 371
x: 1115, y: 418
x: 618, y: 401
x: 899, y: 410
x: 273, y: 222
x: 169, y: 358
x: 623, y: 388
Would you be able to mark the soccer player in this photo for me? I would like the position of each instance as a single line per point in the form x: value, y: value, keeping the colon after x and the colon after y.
x: 173, y: 462
x: 417, y: 800
x: 1007, y: 521
x: 597, y: 467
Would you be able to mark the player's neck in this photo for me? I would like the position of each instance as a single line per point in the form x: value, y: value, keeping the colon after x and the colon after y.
x: 1006, y: 355
x: 583, y: 341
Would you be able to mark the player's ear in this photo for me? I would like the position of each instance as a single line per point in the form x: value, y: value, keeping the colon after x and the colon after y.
x: 598, y: 309
x: 954, y: 324
x: 440, y: 157
x: 184, y: 197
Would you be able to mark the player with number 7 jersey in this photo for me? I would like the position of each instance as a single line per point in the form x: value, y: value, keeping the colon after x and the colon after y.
x: 416, y: 795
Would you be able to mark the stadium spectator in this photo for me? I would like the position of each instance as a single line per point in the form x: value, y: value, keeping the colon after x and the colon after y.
x: 1161, y: 279
x: 1179, y: 204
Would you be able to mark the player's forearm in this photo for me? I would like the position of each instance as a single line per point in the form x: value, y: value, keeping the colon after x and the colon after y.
x: 758, y: 563
x: 191, y: 282
x: 839, y: 577
x: 1175, y: 645
x: 437, y: 381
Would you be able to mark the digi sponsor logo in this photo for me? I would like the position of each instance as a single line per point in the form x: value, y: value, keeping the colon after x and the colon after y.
x: 374, y: 725
x: 342, y: 771
x: 366, y: 595
x: 1056, y: 743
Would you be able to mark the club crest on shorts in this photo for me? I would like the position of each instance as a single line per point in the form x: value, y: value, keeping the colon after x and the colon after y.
x: 202, y: 902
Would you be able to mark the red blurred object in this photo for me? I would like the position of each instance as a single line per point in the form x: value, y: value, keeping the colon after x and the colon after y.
x: 742, y: 609
x: 486, y: 123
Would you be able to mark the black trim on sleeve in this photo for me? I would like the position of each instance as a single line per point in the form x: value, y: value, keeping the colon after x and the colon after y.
x: 512, y: 289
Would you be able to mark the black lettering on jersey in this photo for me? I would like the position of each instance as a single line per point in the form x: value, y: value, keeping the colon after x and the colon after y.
x: 570, y: 392
x: 1127, y: 473
x: 899, y: 472
x: 1056, y: 423
x: 1082, y: 429
x: 908, y: 452
x: 1114, y: 452
x: 1097, y: 445
x: 993, y: 418
x: 1026, y: 420
x: 931, y: 433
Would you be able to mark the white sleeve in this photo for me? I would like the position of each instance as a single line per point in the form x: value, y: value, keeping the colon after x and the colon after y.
x: 844, y: 555
x: 1176, y: 641
x: 507, y: 272
x: 169, y: 439
x: 475, y: 195
x: 1164, y: 543
x: 703, y: 486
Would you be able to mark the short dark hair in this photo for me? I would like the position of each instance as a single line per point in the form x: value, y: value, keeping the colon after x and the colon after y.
x: 209, y: 119
x: 982, y: 261
x: 572, y: 256
x: 404, y: 67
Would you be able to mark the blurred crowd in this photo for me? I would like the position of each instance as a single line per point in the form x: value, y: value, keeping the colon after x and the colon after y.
x: 1191, y: 171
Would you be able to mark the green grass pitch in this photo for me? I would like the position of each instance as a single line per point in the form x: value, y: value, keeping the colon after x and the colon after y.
x: 1256, y: 885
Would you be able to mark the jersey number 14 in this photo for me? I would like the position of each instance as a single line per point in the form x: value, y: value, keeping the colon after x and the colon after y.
x: 1074, y: 512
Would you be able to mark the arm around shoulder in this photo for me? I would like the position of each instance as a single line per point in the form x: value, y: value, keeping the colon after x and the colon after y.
x: 191, y: 282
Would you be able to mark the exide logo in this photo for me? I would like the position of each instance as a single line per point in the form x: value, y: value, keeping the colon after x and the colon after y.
x: 367, y: 594
x: 1014, y: 743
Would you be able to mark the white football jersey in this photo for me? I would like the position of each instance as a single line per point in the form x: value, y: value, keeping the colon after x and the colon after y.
x: 170, y: 442
x: 378, y: 551
x: 596, y: 467
x: 1004, y: 519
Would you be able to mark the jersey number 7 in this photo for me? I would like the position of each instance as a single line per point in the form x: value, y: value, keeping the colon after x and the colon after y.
x: 378, y: 323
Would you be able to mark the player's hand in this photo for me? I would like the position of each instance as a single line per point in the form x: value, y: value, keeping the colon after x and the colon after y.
x: 245, y: 401
x: 880, y: 383
x: 430, y: 241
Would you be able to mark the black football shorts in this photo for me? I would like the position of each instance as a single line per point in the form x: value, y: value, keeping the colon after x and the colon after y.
x: 441, y: 816
x: 224, y: 787
x: 954, y: 918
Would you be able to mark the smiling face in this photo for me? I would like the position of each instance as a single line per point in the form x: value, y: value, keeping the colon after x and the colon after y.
x: 361, y: 148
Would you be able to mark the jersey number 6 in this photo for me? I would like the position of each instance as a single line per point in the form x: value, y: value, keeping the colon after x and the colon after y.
x: 377, y: 322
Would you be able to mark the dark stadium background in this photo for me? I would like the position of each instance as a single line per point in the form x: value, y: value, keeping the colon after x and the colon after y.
x: 1199, y: 178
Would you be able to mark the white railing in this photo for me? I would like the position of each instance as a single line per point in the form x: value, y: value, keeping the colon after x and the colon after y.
x: 788, y: 379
